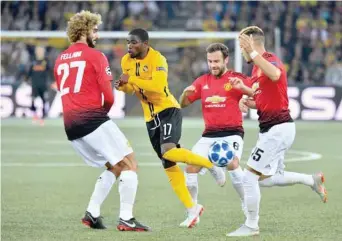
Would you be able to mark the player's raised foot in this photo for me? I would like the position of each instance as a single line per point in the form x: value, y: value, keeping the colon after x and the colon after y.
x: 319, y: 187
x: 185, y: 223
x: 219, y: 175
x: 244, y: 231
x: 90, y: 221
x: 193, y: 216
x: 132, y: 225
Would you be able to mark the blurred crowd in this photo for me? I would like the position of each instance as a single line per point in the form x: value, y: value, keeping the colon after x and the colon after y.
x: 310, y: 33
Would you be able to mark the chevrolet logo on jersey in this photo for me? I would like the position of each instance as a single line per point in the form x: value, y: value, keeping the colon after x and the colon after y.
x: 227, y: 87
x: 215, y: 101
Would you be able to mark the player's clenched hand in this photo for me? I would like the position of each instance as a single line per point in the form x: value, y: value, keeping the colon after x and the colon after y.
x: 117, y: 83
x: 246, y: 43
x: 236, y: 83
x: 250, y: 103
x: 124, y: 79
x: 189, y: 90
x: 242, y: 105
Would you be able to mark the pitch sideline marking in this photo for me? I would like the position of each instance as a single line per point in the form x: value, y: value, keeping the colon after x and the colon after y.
x: 305, y: 157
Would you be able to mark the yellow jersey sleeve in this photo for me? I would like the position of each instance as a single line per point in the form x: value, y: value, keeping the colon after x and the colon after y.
x: 159, y: 76
x: 127, y: 88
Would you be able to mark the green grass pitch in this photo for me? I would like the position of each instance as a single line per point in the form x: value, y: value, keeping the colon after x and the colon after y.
x: 46, y: 188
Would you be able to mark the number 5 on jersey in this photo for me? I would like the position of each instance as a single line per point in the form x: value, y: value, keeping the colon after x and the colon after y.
x: 65, y: 68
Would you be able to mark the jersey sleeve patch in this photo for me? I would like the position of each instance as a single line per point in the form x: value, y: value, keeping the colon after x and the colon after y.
x: 161, y: 68
x: 108, y: 71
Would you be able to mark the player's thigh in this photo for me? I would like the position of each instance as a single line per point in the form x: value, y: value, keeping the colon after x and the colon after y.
x: 170, y: 125
x: 154, y: 135
x: 41, y: 92
x: 236, y: 142
x: 35, y: 91
x: 202, y: 146
x: 269, y: 153
x: 109, y: 142
x: 88, y: 153
x: 288, y: 134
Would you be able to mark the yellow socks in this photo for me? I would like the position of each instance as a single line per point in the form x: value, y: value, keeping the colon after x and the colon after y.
x: 186, y: 156
x: 177, y: 181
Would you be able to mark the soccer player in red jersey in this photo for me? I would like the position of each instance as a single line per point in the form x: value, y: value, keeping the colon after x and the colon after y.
x: 84, y: 78
x: 265, y: 166
x: 222, y: 117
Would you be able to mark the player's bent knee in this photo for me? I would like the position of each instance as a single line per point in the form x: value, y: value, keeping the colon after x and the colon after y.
x: 253, y: 171
x: 116, y: 169
x: 192, y: 169
x: 167, y: 164
x: 233, y: 164
x: 263, y: 177
x: 130, y: 162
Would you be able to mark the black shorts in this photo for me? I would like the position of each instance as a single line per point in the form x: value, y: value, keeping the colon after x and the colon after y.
x: 38, y: 91
x: 166, y: 127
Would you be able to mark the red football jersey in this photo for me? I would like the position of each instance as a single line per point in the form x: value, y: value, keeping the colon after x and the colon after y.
x: 83, y: 78
x: 220, y: 104
x: 271, y: 97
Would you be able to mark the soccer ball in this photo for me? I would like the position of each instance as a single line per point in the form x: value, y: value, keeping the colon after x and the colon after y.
x: 221, y: 153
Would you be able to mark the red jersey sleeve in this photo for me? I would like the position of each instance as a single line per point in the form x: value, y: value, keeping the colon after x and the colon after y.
x: 197, y: 95
x: 104, y: 78
x: 273, y: 59
x: 102, y: 69
x: 247, y: 81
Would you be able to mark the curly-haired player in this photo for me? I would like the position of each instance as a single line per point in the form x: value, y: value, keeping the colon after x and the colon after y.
x: 83, y: 76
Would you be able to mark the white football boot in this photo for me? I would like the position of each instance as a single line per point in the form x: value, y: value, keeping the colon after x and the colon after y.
x: 193, y: 216
x: 218, y: 174
x: 244, y: 231
x: 319, y: 187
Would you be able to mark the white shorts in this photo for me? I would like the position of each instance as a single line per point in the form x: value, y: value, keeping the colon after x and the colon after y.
x: 268, y: 154
x: 106, y: 144
x: 203, y: 145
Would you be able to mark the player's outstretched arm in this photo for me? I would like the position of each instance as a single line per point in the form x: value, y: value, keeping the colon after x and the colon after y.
x: 238, y: 83
x: 157, y: 84
x: 183, y: 99
x: 124, y: 87
x: 127, y: 88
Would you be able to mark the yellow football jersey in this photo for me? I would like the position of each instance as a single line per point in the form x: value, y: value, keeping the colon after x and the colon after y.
x: 148, y: 81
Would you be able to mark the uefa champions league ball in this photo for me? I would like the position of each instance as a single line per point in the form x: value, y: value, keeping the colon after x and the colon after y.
x: 221, y: 153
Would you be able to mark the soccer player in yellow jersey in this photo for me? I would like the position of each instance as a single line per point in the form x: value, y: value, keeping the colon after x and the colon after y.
x: 145, y: 75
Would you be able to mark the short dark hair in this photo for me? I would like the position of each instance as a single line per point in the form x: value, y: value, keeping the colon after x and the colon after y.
x: 141, y: 33
x: 218, y: 47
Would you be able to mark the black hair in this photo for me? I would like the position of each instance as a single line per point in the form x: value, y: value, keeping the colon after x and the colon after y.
x: 141, y: 33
